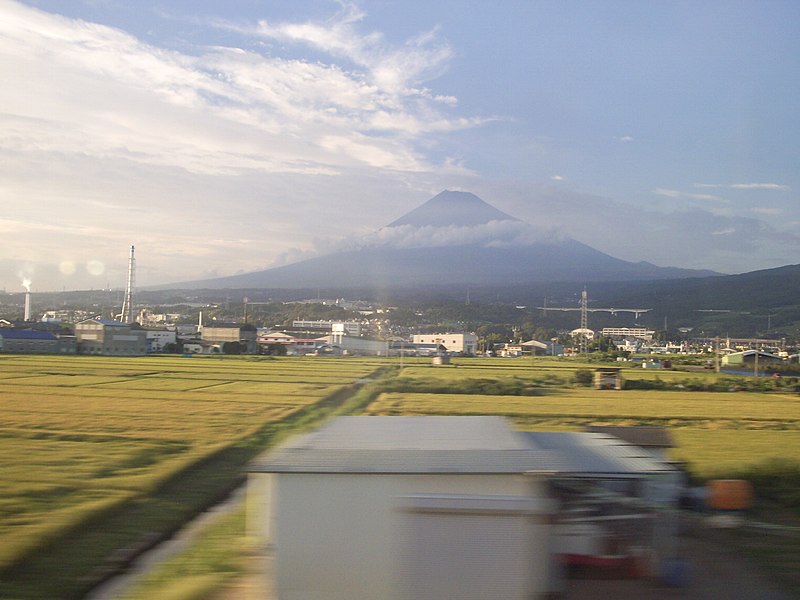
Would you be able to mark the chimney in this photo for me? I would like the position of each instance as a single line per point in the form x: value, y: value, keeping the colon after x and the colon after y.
x: 27, y: 306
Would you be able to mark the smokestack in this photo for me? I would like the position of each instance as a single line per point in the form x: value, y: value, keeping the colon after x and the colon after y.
x: 200, y: 322
x: 26, y: 283
x: 126, y: 315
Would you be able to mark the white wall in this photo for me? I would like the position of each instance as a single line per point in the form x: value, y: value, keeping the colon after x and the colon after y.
x: 336, y: 536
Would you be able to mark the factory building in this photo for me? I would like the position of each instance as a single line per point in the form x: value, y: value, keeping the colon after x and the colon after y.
x: 29, y: 341
x: 110, y: 338
x: 222, y: 333
x: 457, y: 343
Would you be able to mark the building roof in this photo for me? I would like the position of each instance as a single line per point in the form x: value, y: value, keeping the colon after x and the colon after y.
x: 753, y: 352
x: 593, y: 454
x: 410, y: 445
x: 25, y: 334
x: 644, y: 436
x: 453, y: 445
x: 106, y: 322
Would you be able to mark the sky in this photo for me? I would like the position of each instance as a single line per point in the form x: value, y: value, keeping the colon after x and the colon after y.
x: 227, y: 137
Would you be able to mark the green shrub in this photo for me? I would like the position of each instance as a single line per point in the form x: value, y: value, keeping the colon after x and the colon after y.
x: 584, y: 377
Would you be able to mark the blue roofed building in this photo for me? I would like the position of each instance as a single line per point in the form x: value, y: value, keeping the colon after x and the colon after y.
x: 31, y: 341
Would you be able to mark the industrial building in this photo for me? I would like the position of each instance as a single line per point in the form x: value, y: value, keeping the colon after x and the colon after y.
x: 30, y: 341
x: 749, y: 359
x: 218, y: 334
x: 110, y: 338
x: 456, y: 343
x: 425, y: 508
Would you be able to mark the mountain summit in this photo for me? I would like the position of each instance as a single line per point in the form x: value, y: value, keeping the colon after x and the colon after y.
x: 452, y: 208
x: 455, y: 238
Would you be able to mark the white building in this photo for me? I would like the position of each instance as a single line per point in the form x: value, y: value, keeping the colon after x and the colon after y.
x: 628, y: 332
x: 459, y: 343
x: 402, y: 508
x: 358, y: 345
x: 340, y: 327
x: 157, y: 339
x: 428, y: 508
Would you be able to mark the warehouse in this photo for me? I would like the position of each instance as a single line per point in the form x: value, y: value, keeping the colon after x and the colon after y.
x: 29, y: 341
x: 110, y: 338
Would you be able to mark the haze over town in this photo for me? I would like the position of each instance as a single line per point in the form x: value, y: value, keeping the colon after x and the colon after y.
x: 229, y: 137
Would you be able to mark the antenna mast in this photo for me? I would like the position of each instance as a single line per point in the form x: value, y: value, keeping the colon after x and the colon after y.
x: 126, y: 316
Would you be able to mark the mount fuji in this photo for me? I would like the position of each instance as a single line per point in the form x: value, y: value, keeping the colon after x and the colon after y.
x: 455, y: 238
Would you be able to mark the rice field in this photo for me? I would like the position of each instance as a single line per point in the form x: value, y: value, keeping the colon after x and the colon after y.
x: 715, y: 432
x: 82, y: 435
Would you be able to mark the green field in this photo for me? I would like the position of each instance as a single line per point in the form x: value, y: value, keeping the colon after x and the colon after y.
x: 716, y: 433
x: 99, y: 455
x: 84, y: 437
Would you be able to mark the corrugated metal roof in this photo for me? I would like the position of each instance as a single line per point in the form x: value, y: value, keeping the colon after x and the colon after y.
x: 453, y: 445
x: 418, y: 433
x: 304, y: 460
x: 26, y: 334
x: 597, y: 453
x: 646, y: 436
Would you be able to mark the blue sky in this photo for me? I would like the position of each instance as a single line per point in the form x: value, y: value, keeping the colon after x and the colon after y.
x: 223, y: 137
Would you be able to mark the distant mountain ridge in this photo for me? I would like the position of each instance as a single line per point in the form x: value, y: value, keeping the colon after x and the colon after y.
x: 500, y: 261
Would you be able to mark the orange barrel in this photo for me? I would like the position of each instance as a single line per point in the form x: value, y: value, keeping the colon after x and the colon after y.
x: 729, y: 494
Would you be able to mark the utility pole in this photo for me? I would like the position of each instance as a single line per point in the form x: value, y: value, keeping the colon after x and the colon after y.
x: 584, y: 323
x: 755, y: 362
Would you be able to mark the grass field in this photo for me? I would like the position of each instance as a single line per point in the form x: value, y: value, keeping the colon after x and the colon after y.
x: 81, y: 437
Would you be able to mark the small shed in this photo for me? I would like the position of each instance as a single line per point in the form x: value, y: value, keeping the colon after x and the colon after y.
x: 406, y: 508
x: 608, y: 378
x: 656, y: 440
x: 403, y: 508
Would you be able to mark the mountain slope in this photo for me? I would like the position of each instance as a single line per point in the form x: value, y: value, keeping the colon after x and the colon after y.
x: 449, y: 208
x: 507, y: 252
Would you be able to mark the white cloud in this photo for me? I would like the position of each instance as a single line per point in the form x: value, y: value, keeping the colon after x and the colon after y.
x: 745, y: 186
x: 398, y: 70
x: 557, y: 178
x: 175, y: 148
x: 492, y: 234
x: 626, y: 138
x: 678, y: 194
x: 75, y: 86
x: 766, y: 210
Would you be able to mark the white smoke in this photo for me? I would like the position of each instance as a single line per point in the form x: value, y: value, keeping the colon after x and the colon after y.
x: 26, y: 283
